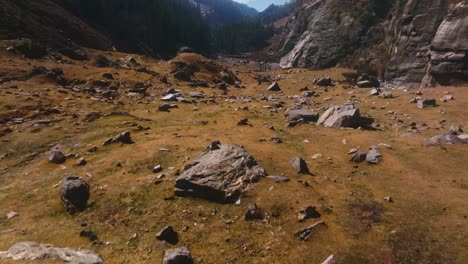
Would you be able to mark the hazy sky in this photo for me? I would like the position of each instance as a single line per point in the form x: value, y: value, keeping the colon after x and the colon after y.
x: 260, y: 5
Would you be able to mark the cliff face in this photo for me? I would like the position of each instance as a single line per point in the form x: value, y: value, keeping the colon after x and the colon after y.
x: 407, y: 42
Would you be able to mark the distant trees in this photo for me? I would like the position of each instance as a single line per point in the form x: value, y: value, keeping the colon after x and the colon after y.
x: 152, y: 26
x: 242, y: 37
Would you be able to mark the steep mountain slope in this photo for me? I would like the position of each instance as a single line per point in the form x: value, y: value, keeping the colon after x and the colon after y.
x: 405, y: 42
x: 221, y: 12
x: 47, y: 23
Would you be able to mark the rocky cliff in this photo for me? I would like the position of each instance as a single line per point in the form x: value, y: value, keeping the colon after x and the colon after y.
x: 408, y: 43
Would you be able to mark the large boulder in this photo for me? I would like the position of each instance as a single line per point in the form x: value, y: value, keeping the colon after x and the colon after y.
x: 27, y: 48
x: 32, y: 251
x: 303, y: 114
x: 219, y: 174
x: 346, y: 115
x: 75, y: 194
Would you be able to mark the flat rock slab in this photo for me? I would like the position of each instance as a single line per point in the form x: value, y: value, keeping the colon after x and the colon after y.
x: 30, y: 251
x: 220, y: 174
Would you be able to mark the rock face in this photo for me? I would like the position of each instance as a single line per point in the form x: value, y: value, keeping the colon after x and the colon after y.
x: 346, y: 115
x: 219, y: 174
x: 178, y: 256
x: 75, y: 194
x: 31, y: 251
x: 407, y: 43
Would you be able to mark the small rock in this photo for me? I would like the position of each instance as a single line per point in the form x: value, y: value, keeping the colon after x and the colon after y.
x: 329, y: 260
x: 274, y: 87
x: 57, y: 157
x: 300, y: 165
x: 308, y: 212
x: 169, y: 235
x: 157, y: 168
x: 388, y: 199
x: 276, y: 139
x: 305, y: 233
x: 243, y: 122
x: 253, y: 212
x: 279, y: 178
x: 81, y: 162
x: 325, y: 81
x: 374, y: 155
x: 89, y: 234
x: 317, y: 156
x: 11, y: 214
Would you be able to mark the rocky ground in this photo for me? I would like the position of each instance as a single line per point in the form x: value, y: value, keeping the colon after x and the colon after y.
x: 369, y: 184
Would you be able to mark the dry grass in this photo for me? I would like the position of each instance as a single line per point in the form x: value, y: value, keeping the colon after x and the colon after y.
x: 425, y: 224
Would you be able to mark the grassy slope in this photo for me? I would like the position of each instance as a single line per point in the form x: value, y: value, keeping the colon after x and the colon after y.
x: 425, y: 224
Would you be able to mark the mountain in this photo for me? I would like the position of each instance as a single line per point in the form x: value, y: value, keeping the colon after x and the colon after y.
x: 263, y: 4
x: 48, y: 23
x: 406, y: 43
x: 221, y: 12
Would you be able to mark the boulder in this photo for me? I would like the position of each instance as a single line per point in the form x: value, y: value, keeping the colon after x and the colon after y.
x: 75, y: 194
x: 325, y: 81
x: 346, y: 115
x: 446, y: 139
x: 221, y: 173
x: 358, y: 156
x: 304, y: 114
x: 367, y: 81
x: 27, y: 48
x: 178, y: 256
x: 32, y: 251
x: 57, y: 157
x: 423, y: 103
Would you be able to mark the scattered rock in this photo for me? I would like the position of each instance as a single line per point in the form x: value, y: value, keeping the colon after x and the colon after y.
x: 123, y: 137
x: 167, y: 107
x: 317, y: 156
x: 325, y: 81
x: 279, y: 178
x: 81, y: 162
x: 388, y: 199
x: 426, y: 102
x: 367, y: 81
x: 445, y: 139
x: 304, y: 234
x: 253, y: 213
x: 219, y: 174
x: 303, y: 114
x: 359, y: 156
x: 157, y: 168
x: 307, y: 212
x: 329, y: 260
x: 89, y: 234
x: 57, y: 157
x: 32, y: 251
x: 11, y: 214
x: 300, y: 165
x: 243, y: 122
x: 169, y: 235
x: 346, y: 115
x: 276, y: 139
x: 75, y: 194
x: 274, y: 87
x: 374, y: 155
x: 446, y: 98
x: 178, y: 256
